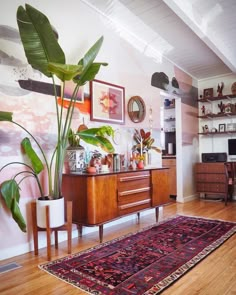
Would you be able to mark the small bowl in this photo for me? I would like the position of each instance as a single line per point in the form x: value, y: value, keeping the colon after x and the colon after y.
x: 91, y: 169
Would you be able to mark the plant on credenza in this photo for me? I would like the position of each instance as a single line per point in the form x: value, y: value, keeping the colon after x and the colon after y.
x: 44, y: 54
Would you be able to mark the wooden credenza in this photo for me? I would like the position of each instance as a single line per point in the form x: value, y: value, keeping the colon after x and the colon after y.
x: 103, y: 197
x: 211, y: 178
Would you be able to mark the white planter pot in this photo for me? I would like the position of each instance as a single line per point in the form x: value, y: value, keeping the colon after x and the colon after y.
x: 56, y: 212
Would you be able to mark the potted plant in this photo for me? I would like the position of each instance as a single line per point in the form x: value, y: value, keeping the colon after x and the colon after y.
x: 44, y: 54
x: 144, y: 143
x: 96, y: 136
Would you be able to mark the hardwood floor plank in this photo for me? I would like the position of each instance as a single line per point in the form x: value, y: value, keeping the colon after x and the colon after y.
x: 215, y: 275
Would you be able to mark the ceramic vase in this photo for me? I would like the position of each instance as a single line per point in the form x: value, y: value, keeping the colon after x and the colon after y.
x: 75, y: 159
x: 140, y: 165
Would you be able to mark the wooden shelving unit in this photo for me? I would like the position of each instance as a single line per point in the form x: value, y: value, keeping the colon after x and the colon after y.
x: 214, y: 98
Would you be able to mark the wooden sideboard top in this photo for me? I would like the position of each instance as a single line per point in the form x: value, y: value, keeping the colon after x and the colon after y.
x: 110, y: 172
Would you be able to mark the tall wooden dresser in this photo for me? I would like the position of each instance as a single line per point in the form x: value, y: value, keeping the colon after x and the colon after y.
x: 211, y: 178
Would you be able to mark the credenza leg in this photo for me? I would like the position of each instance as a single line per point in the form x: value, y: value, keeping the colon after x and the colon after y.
x: 157, y: 213
x: 138, y: 216
x: 101, y: 233
x: 80, y: 230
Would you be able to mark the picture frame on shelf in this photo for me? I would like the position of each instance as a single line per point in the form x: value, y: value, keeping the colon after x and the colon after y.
x: 107, y: 102
x: 207, y: 92
x: 222, y: 128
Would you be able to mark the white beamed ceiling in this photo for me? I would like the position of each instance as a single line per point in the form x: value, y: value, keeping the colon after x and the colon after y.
x: 199, y: 36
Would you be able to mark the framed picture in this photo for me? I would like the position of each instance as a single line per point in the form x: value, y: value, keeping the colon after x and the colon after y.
x: 208, y: 92
x: 221, y: 127
x: 107, y: 102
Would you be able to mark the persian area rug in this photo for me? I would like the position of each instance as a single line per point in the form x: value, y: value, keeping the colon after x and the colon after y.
x: 146, y: 262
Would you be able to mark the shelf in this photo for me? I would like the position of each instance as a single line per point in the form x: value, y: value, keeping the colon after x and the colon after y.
x: 211, y: 116
x: 169, y: 120
x: 217, y: 133
x: 210, y: 99
x: 168, y: 108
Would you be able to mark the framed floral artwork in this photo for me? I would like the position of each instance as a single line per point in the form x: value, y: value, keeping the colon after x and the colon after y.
x: 107, y: 102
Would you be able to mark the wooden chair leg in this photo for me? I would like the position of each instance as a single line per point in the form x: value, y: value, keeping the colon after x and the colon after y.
x: 48, y: 230
x: 69, y: 225
x: 35, y: 228
x: 56, y: 238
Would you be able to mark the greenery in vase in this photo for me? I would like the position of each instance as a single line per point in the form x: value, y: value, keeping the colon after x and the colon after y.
x: 44, y: 54
x: 144, y: 142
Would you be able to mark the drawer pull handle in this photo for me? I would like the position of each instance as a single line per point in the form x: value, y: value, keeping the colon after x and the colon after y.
x: 130, y: 205
x: 135, y: 191
x: 129, y: 178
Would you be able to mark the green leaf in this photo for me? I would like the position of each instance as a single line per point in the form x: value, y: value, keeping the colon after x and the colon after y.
x: 64, y: 72
x: 35, y: 160
x: 39, y: 40
x: 6, y: 116
x: 90, y: 69
x: 89, y: 74
x: 17, y: 216
x: 10, y: 190
x: 95, y: 136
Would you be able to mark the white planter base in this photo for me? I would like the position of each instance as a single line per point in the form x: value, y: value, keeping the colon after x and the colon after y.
x: 56, y: 210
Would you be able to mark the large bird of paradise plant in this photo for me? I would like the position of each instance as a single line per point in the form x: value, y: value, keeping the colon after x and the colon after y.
x: 44, y: 54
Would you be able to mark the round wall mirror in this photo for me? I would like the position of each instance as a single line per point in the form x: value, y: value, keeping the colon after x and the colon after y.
x: 136, y: 109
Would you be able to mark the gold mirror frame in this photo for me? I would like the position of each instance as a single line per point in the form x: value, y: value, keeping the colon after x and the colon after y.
x: 136, y: 109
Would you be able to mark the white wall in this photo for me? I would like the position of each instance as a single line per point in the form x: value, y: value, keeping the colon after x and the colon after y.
x: 79, y: 26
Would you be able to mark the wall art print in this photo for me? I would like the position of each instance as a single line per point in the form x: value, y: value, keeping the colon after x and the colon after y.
x: 107, y: 102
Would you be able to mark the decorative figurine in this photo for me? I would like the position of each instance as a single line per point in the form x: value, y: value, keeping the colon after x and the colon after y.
x: 220, y: 89
x: 233, y: 88
x: 203, y: 110
x: 221, y: 106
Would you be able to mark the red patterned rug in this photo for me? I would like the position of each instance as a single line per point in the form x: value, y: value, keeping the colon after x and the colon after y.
x: 145, y: 262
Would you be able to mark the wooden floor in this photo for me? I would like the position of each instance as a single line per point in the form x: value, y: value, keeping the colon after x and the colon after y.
x: 216, y: 275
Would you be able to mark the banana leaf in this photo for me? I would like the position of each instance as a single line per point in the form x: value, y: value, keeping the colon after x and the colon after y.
x: 10, y: 191
x: 39, y: 40
x: 30, y: 152
x: 6, y: 116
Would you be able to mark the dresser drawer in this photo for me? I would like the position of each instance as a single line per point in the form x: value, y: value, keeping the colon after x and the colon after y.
x: 132, y: 207
x: 215, y: 178
x: 211, y: 187
x: 133, y: 181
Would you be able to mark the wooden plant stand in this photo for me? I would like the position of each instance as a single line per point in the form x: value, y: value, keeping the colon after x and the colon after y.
x: 67, y: 226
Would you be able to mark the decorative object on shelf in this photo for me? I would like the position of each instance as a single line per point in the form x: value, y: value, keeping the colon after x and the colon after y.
x: 231, y: 127
x: 140, y: 164
x: 208, y: 92
x: 221, y: 127
x: 227, y: 108
x: 166, y: 102
x: 136, y: 109
x: 205, y: 129
x: 44, y: 54
x: 203, y: 110
x: 214, y: 129
x: 233, y: 88
x: 107, y: 102
x: 221, y: 106
x: 96, y: 160
x: 220, y: 89
x: 144, y: 142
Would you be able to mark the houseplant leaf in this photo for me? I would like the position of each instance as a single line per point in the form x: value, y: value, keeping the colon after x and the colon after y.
x: 93, y: 136
x: 39, y: 40
x: 11, y: 194
x: 35, y: 160
x: 64, y: 72
x: 90, y: 69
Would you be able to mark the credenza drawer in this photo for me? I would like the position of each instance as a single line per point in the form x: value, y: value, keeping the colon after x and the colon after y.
x: 131, y: 182
x: 132, y: 207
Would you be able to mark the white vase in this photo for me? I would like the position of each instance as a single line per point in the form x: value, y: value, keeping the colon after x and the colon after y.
x: 56, y: 212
